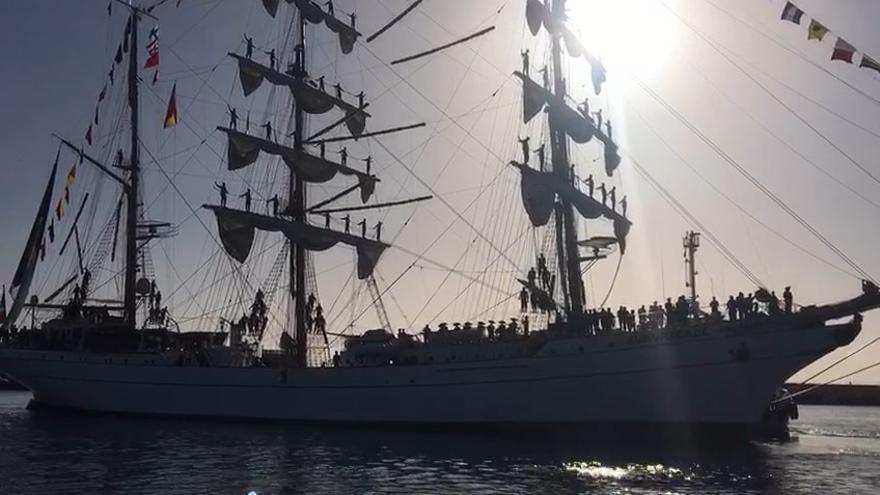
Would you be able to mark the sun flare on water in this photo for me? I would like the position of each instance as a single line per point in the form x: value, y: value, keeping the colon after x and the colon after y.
x: 633, y: 35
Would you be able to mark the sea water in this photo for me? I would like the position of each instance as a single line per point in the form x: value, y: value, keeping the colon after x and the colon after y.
x: 836, y: 450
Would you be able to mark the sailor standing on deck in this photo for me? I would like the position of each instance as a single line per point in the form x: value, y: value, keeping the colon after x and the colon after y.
x: 249, y: 47
x: 788, y: 299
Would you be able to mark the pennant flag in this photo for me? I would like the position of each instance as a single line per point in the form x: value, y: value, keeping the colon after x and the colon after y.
x: 155, y: 77
x: 869, y: 63
x: 67, y: 194
x: 843, y: 51
x: 52, y: 231
x: 112, y: 68
x: 71, y: 176
x: 96, y: 115
x: 153, y: 49
x: 59, y: 209
x: 103, y: 93
x: 791, y: 13
x: 171, y: 114
x: 43, y: 250
x: 118, y: 57
x: 816, y: 31
x: 89, y: 135
x: 178, y: 3
x: 110, y: 7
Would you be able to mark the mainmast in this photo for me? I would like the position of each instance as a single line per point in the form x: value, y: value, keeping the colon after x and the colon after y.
x: 130, y: 298
x: 297, y: 202
x: 568, y: 250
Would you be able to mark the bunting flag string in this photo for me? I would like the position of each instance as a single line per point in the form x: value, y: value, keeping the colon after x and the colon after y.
x: 153, y: 49
x: 816, y: 31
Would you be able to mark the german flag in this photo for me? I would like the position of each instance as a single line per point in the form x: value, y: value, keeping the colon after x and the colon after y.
x: 71, y: 175
x: 171, y: 113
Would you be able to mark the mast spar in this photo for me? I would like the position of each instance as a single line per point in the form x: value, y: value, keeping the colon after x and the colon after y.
x: 567, y: 252
x: 297, y: 202
x: 130, y: 297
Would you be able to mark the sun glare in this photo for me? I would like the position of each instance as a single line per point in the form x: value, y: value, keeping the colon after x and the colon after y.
x: 635, y: 35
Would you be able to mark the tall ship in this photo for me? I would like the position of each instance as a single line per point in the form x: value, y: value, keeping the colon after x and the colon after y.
x: 267, y: 345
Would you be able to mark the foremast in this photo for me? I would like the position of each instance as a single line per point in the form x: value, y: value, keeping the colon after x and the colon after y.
x: 557, y: 192
x: 567, y: 253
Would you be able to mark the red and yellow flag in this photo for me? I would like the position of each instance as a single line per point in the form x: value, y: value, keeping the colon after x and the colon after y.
x: 171, y: 113
x: 71, y: 175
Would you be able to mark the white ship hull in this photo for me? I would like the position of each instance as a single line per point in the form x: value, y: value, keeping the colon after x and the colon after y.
x: 722, y: 377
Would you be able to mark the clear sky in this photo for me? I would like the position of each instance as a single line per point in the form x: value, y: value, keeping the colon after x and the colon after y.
x: 58, y: 54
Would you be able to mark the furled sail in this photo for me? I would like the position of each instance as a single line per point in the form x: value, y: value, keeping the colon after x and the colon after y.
x: 237, y: 230
x: 538, y: 14
x: 271, y: 7
x: 313, y: 13
x: 24, y: 274
x: 578, y: 126
x: 311, y: 99
x: 244, y: 149
x: 611, y: 155
x: 539, y: 191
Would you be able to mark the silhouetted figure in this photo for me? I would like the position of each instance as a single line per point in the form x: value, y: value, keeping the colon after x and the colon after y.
x: 599, y: 119
x: 86, y: 281
x: 741, y: 308
x: 773, y: 304
x: 623, y: 206
x: 298, y: 56
x: 363, y: 224
x: 233, y: 117
x: 610, y: 133
x: 604, y: 194
x: 731, y: 309
x: 379, y: 231
x: 272, y: 60
x: 545, y: 76
x: 249, y: 47
x: 224, y: 192
x: 268, y: 127
x: 524, y: 300
x: 541, y: 151
x: 338, y: 88
x: 584, y: 108
x: 612, y: 195
x: 591, y: 184
x: 524, y: 142
x: 347, y: 221
x: 713, y: 306
x: 353, y: 19
x: 323, y: 149
x: 788, y: 299
x: 360, y: 97
x: 525, y: 62
x: 531, y: 277
x: 369, y: 162
x: 326, y: 220
x: 247, y: 199
x: 669, y: 310
x: 273, y: 201
x: 321, y: 84
x: 343, y: 156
